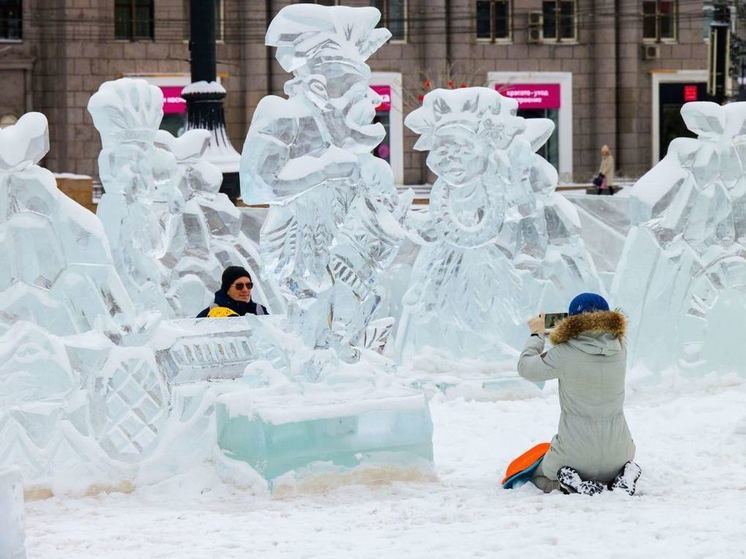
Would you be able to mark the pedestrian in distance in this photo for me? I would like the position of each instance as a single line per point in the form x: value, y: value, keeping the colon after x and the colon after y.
x: 234, y: 296
x: 604, y: 181
x: 593, y: 448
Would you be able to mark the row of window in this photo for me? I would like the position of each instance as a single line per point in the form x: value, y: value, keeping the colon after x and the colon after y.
x: 134, y: 19
x: 556, y: 21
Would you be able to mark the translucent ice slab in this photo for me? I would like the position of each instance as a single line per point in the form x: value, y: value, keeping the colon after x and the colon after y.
x: 682, y: 274
x: 605, y: 223
x: 12, y: 537
x: 278, y: 434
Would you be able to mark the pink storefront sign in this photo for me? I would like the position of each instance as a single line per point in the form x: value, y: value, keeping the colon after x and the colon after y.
x: 532, y: 95
x: 384, y: 92
x: 173, y: 102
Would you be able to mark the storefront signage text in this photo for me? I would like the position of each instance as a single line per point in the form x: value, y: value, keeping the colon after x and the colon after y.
x: 532, y: 95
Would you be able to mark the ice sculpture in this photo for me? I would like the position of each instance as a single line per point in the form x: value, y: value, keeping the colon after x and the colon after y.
x: 171, y: 230
x: 335, y: 218
x: 127, y: 113
x: 604, y: 227
x: 206, y: 233
x: 280, y: 433
x: 56, y: 268
x: 457, y: 295
x: 334, y: 225
x: 682, y: 276
x: 64, y: 310
x: 497, y: 243
x: 12, y: 534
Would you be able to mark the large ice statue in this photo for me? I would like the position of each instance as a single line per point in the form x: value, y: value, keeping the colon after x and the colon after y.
x: 56, y: 269
x: 682, y: 276
x: 333, y: 226
x: 334, y: 218
x: 497, y: 242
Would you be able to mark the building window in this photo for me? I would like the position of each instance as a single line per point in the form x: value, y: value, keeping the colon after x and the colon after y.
x: 393, y: 17
x: 558, y: 20
x: 494, y: 20
x: 659, y: 20
x: 219, y: 20
x: 133, y: 19
x: 11, y: 12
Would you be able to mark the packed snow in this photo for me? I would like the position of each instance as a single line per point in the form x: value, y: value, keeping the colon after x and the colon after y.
x: 691, y: 500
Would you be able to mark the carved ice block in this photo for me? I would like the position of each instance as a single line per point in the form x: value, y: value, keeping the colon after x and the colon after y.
x: 192, y: 350
x: 282, y: 434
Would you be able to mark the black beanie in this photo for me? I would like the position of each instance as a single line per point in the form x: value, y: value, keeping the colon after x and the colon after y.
x: 231, y: 274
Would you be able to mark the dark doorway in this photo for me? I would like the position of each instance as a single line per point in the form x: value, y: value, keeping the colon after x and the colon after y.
x: 671, y: 97
x: 550, y: 150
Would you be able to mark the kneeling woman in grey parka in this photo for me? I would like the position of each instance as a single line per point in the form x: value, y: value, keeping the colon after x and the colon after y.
x: 593, y: 448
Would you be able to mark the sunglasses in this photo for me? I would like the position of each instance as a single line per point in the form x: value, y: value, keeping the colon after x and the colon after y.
x: 241, y: 286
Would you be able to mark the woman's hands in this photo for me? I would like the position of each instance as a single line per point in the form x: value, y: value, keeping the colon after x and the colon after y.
x: 536, y: 324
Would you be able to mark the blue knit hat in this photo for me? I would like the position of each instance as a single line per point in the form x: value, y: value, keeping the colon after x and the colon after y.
x: 588, y: 302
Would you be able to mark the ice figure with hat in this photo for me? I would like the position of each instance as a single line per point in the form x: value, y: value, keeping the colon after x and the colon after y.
x: 127, y: 114
x: 335, y: 217
x: 171, y: 230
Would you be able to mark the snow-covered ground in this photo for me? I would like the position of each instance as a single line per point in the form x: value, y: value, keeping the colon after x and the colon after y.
x: 691, y: 444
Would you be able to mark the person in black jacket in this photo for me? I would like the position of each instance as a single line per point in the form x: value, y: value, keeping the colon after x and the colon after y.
x: 234, y: 296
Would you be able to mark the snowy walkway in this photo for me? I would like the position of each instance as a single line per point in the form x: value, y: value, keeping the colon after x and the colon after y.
x: 691, y: 501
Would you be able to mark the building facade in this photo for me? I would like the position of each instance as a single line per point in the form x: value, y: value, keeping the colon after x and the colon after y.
x: 611, y: 72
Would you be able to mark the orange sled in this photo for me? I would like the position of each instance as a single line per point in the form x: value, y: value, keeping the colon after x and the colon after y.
x: 522, y: 468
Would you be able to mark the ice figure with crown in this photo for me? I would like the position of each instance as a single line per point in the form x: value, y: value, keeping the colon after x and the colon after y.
x: 497, y: 243
x: 335, y: 218
x: 460, y: 279
x: 682, y: 276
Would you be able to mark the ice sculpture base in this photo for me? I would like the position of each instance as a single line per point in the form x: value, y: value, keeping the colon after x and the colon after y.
x: 435, y: 372
x: 327, y: 433
x: 12, y: 536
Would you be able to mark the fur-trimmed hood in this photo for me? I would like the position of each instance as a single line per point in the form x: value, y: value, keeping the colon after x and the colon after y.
x: 611, y: 325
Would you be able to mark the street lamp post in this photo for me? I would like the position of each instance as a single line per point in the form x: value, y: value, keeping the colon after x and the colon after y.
x: 719, y: 54
x: 204, y: 96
